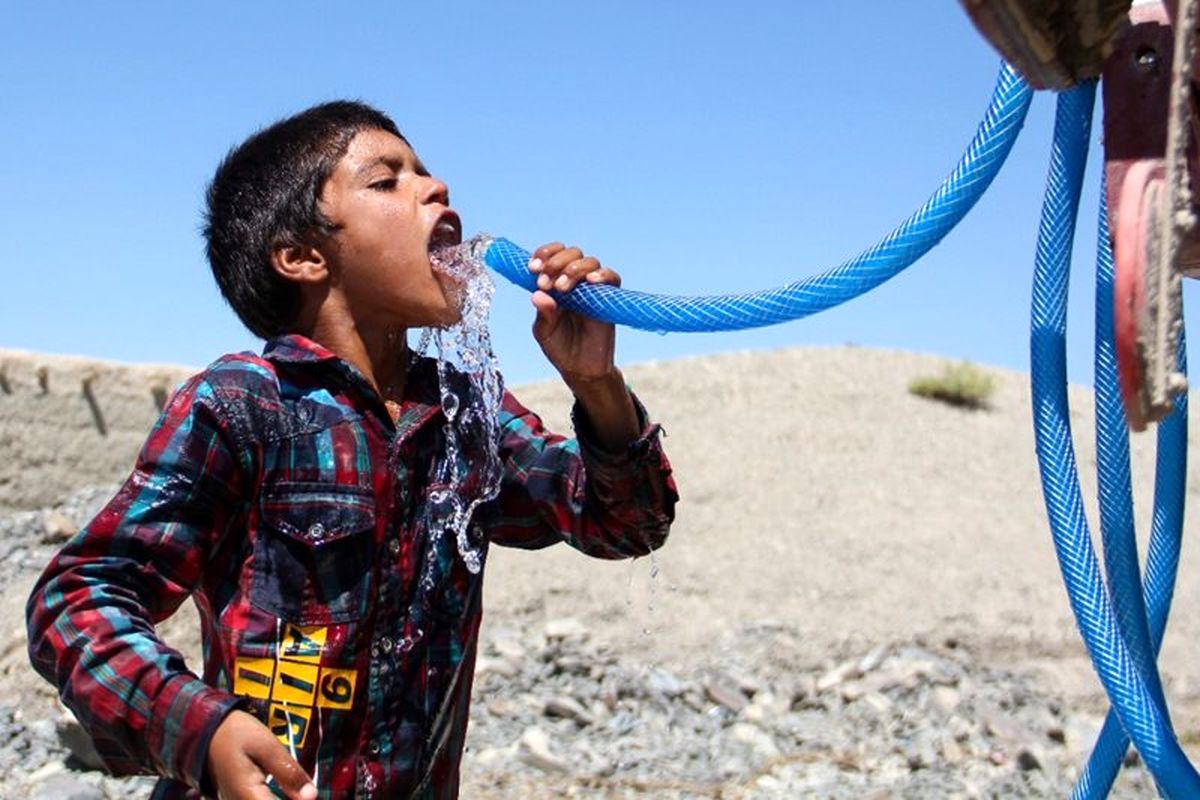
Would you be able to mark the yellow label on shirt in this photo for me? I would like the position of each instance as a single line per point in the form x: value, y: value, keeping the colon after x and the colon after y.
x: 336, y: 688
x: 289, y: 724
x: 252, y: 677
x: 294, y: 681
x: 295, y: 684
x: 302, y: 643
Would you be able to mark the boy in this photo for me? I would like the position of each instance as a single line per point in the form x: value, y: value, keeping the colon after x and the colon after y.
x: 292, y: 493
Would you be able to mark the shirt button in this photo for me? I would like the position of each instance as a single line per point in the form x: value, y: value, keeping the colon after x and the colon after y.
x: 373, y: 748
x: 385, y: 644
x: 393, y: 547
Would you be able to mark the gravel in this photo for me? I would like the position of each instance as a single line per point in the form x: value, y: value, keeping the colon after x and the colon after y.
x: 557, y: 713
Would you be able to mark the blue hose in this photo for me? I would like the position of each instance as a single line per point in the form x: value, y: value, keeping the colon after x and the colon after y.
x: 1143, y: 720
x: 1122, y: 637
x: 1116, y: 498
x: 896, y: 251
x: 1116, y: 520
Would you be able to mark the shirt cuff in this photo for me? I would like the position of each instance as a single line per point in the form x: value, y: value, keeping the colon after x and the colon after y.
x: 186, y: 714
x: 646, y: 447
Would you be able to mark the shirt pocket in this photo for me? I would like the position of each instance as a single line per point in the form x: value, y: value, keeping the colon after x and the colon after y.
x: 315, y: 552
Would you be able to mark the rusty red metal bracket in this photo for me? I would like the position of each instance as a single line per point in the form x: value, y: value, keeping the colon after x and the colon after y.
x: 1151, y: 252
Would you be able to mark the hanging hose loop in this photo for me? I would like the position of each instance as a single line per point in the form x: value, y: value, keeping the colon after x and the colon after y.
x: 891, y: 255
x: 1143, y: 720
x: 1116, y: 516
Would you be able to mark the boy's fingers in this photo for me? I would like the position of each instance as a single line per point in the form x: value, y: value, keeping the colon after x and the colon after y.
x: 545, y: 251
x: 556, y: 263
x: 547, y: 314
x: 272, y: 759
x: 259, y: 792
x: 604, y: 275
x: 572, y: 273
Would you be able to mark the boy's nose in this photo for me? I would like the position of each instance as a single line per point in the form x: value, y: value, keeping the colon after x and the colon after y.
x: 436, y: 191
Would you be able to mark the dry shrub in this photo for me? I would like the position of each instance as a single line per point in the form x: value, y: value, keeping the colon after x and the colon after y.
x: 963, y: 385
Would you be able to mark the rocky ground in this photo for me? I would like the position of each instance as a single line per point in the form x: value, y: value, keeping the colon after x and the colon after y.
x: 558, y: 714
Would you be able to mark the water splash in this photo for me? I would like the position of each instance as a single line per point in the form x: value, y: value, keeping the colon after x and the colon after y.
x: 471, y: 390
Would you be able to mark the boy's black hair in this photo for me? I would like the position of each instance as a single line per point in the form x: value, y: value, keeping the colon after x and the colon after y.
x: 265, y: 194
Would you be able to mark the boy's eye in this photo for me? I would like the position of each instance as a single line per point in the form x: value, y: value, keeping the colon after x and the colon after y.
x: 383, y: 186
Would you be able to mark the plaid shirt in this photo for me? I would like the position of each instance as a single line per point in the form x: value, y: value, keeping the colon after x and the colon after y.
x: 278, y: 492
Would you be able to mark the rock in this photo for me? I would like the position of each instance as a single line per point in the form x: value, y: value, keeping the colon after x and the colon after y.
x: 1027, y: 761
x: 747, y: 684
x: 568, y: 708
x: 762, y: 743
x: 508, y: 647
x: 764, y: 707
x: 500, y: 666
x: 878, y: 702
x: 839, y: 674
x: 73, y: 737
x: 534, y: 750
x: 502, y: 707
x: 57, y: 527
x: 664, y: 682
x: 492, y: 757
x: 43, y: 730
x: 920, y: 753
x: 804, y: 688
x: 944, y: 699
x: 722, y: 693
x: 65, y: 787
x: 952, y: 752
x: 872, y: 659
x: 565, y: 628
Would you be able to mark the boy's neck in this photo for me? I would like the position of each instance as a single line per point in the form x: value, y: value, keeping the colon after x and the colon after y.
x: 381, y: 355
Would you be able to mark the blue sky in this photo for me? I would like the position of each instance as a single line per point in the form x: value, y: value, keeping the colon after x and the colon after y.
x: 696, y: 147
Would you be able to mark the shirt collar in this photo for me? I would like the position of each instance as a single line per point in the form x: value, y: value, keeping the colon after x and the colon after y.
x: 294, y: 348
x: 422, y: 397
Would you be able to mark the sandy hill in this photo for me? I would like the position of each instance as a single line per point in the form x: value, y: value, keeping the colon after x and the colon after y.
x: 818, y: 492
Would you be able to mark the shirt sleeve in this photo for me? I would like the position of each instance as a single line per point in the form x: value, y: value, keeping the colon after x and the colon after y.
x: 91, y: 614
x: 558, y: 489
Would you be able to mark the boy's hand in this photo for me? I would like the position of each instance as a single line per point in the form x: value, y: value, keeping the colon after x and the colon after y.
x: 580, y: 348
x: 244, y: 755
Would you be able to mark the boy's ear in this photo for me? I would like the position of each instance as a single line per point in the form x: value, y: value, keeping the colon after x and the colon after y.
x: 301, y: 263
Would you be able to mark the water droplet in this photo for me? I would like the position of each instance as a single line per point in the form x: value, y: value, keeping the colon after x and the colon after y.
x: 661, y: 332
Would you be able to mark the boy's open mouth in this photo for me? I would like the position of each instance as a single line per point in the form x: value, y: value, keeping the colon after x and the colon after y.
x: 447, y: 232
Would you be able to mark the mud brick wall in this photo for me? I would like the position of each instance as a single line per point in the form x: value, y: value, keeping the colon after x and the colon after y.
x: 68, y: 422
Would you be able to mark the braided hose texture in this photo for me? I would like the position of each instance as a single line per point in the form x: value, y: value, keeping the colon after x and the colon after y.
x: 1143, y: 720
x: 896, y: 251
x: 1117, y: 532
x: 1116, y: 520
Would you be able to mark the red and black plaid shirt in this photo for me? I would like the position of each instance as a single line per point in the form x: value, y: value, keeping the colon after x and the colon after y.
x: 278, y: 492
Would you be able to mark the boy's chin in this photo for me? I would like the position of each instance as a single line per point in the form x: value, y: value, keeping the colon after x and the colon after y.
x: 451, y: 315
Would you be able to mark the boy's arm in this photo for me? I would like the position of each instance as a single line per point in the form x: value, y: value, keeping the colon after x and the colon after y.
x: 91, y: 615
x: 605, y: 504
x: 609, y: 493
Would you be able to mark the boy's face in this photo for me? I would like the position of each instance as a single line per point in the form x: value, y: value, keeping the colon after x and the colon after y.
x: 390, y: 212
